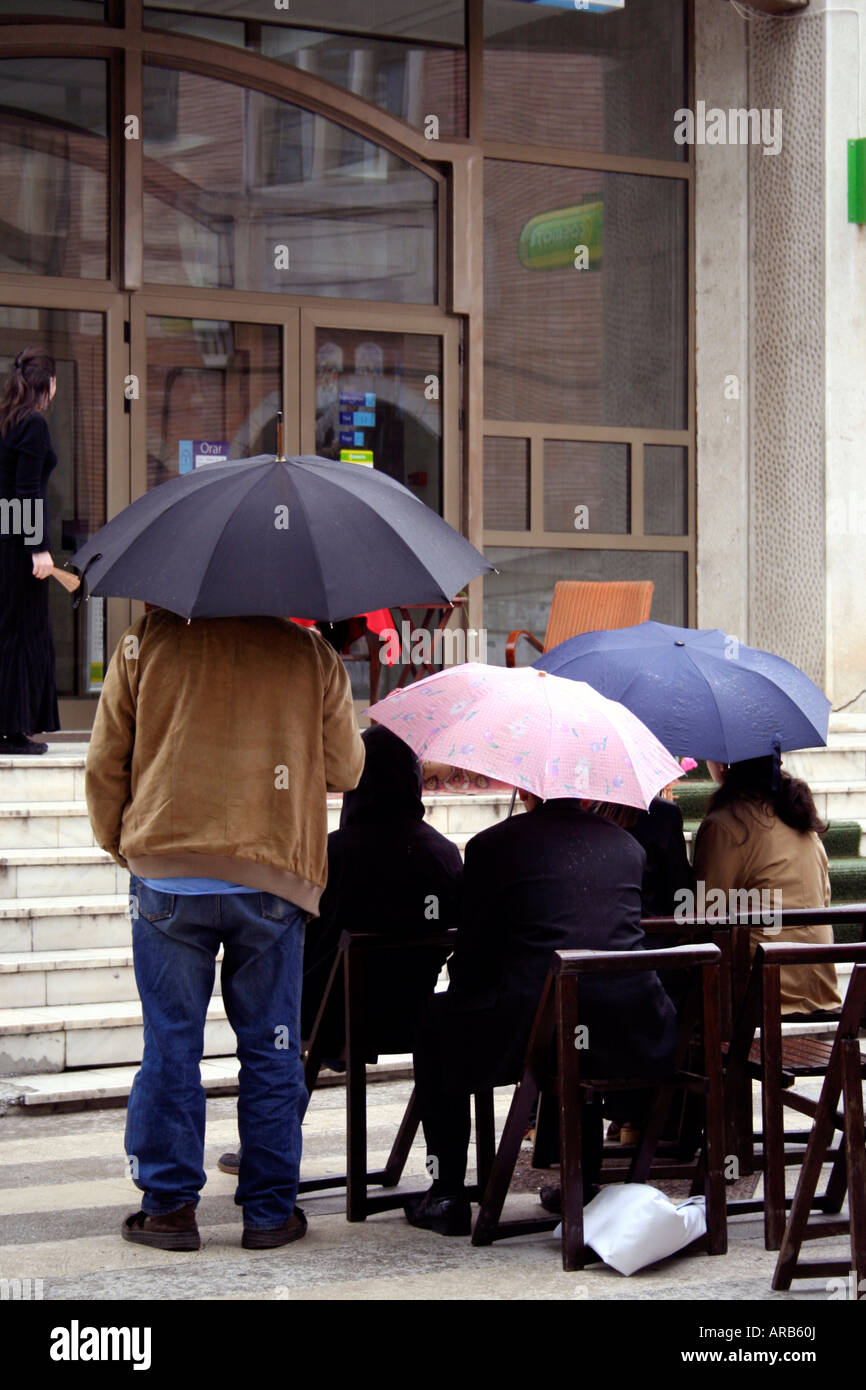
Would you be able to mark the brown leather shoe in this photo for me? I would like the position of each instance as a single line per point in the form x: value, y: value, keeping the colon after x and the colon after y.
x: 177, y: 1230
x: 254, y: 1238
x: 229, y: 1163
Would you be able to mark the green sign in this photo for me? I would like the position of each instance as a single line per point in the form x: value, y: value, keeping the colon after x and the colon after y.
x: 566, y: 237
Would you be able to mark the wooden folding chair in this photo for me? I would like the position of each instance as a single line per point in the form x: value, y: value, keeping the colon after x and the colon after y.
x: 356, y: 953
x: 845, y: 1073
x: 558, y: 1016
x: 587, y: 606
x: 777, y: 1061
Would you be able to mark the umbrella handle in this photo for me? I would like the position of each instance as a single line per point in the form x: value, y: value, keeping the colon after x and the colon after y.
x: 69, y: 581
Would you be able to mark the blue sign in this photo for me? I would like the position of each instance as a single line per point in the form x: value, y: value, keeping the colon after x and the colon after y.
x: 353, y: 399
x: 370, y: 400
x: 347, y: 439
x: 345, y: 417
x: 192, y: 453
x: 365, y: 418
x: 184, y: 456
x: 358, y: 442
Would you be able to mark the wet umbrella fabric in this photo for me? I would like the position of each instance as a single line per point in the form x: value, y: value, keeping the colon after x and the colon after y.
x: 553, y: 737
x: 302, y: 536
x: 701, y: 691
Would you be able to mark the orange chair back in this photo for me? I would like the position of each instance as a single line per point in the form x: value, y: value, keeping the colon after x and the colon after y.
x: 581, y: 606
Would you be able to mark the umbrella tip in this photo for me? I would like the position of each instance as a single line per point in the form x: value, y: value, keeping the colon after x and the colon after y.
x: 679, y: 643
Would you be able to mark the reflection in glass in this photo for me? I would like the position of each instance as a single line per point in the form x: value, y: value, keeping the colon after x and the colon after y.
x: 409, y: 80
x: 603, y: 344
x: 506, y: 484
x: 586, y: 487
x: 442, y: 22
x: 246, y: 192
x: 379, y: 402
x: 53, y: 9
x: 76, y: 488
x: 607, y: 83
x: 54, y: 167
x: 665, y: 490
x: 519, y: 596
x: 210, y: 383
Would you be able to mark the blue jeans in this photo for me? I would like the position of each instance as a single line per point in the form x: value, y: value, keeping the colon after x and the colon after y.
x: 175, y: 941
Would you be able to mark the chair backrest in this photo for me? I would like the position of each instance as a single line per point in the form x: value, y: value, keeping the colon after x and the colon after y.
x: 587, y: 606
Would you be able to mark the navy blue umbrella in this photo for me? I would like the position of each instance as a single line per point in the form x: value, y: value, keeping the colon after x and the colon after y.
x: 300, y: 537
x: 701, y: 691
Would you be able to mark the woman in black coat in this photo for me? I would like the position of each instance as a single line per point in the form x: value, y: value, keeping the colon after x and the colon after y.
x: 28, y: 696
x: 388, y: 871
x: 561, y: 877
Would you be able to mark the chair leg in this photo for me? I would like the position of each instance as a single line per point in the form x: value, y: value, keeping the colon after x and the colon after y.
x: 485, y: 1138
x: 659, y: 1110
x: 807, y: 1184
x: 496, y: 1190
x: 403, y: 1142
x: 772, y: 1110
x: 855, y: 1154
x: 570, y: 1126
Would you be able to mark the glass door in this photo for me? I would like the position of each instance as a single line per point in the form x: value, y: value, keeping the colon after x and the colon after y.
x: 383, y: 394
x: 211, y: 380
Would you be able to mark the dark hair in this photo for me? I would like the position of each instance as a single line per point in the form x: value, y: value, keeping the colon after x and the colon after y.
x: 624, y: 816
x: 752, y: 781
x: 27, y: 387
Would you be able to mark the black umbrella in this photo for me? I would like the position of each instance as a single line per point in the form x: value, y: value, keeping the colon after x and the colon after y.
x: 300, y: 537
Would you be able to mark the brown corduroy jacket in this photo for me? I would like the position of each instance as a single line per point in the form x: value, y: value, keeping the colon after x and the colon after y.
x: 213, y: 746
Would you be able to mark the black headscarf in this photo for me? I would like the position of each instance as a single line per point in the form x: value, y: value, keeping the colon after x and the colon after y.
x: 390, y: 785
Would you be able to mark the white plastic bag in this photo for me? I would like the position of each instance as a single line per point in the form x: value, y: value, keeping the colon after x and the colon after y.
x: 631, y: 1225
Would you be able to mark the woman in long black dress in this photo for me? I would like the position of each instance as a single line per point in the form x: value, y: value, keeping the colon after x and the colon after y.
x: 28, y: 695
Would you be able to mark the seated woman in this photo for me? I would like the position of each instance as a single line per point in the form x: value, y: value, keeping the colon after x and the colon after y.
x: 761, y: 831
x: 560, y: 877
x: 388, y: 871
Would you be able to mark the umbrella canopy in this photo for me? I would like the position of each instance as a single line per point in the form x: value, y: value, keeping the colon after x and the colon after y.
x: 700, y: 691
x: 302, y: 536
x: 553, y: 737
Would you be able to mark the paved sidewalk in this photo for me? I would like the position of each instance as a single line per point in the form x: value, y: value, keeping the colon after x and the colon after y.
x: 63, y: 1194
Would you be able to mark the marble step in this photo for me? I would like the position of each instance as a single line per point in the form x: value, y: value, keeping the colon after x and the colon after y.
x: 55, y: 1038
x: 64, y: 923
x: 842, y: 800
x: 47, y: 824
x: 46, y: 873
x: 51, y: 776
x: 219, y: 1076
x: 91, y: 975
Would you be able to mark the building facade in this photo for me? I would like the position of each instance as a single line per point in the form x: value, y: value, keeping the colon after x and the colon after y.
x: 461, y: 241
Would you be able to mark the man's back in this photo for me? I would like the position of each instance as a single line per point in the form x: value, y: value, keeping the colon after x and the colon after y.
x: 237, y: 728
x: 558, y: 877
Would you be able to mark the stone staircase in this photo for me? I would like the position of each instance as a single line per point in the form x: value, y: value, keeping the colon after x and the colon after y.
x: 67, y: 990
x: 68, y: 1000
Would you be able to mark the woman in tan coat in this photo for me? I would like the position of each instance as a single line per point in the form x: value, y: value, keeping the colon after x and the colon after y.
x: 761, y: 831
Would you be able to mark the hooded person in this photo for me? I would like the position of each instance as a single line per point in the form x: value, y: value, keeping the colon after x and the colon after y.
x: 388, y: 871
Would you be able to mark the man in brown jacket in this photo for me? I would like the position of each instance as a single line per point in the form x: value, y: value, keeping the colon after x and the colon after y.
x: 213, y: 747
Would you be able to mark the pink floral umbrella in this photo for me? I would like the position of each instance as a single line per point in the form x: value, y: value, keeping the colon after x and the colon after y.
x: 552, y: 736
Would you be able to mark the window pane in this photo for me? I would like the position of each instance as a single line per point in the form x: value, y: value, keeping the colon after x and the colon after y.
x: 76, y: 488
x: 601, y: 345
x: 519, y: 596
x: 586, y: 487
x: 246, y: 192
x: 378, y: 400
x: 506, y: 484
x: 54, y: 167
x: 608, y: 82
x: 210, y: 383
x: 442, y: 22
x: 410, y: 81
x: 665, y: 490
